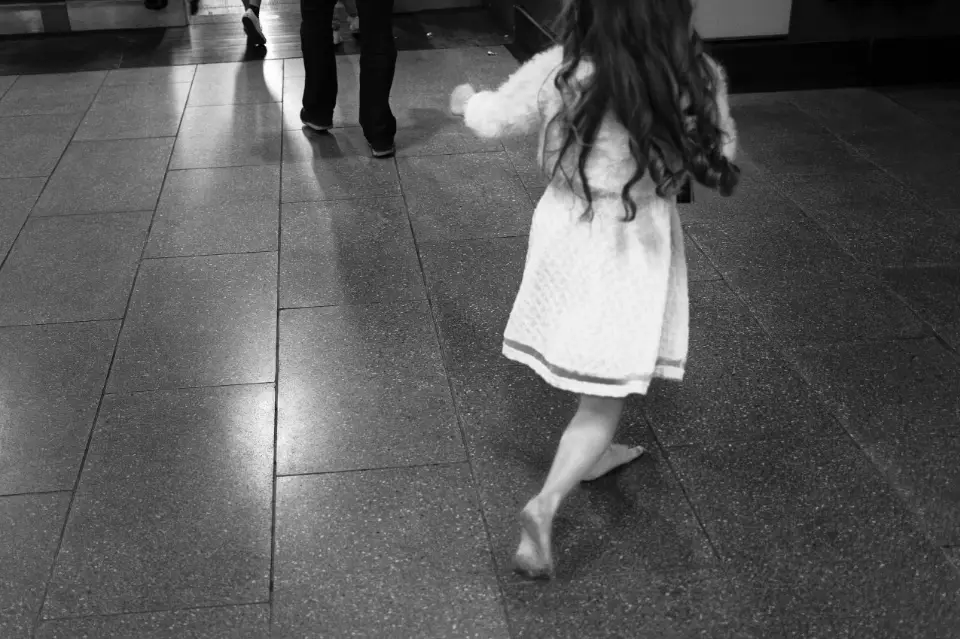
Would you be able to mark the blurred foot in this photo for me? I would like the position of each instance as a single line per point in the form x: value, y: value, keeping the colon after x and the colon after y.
x: 616, y: 455
x: 337, y: 38
x: 534, y: 557
x: 251, y: 25
x: 313, y: 122
x: 355, y: 25
x: 383, y: 151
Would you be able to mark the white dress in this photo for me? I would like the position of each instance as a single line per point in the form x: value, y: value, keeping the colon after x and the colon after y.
x: 602, y: 307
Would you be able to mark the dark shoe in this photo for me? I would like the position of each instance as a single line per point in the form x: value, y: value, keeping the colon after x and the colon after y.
x: 315, y: 123
x: 251, y: 24
x: 383, y: 150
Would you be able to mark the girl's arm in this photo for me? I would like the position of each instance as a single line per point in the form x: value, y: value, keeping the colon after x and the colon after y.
x: 727, y: 125
x: 514, y: 108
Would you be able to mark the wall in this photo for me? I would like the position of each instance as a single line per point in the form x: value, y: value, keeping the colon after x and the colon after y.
x: 840, y: 20
x: 715, y: 18
x: 720, y: 19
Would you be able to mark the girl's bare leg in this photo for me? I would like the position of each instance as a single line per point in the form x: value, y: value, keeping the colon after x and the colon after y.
x: 582, y: 447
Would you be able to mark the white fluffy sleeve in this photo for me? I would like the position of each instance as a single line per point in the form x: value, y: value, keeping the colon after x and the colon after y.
x: 514, y: 108
x: 727, y: 124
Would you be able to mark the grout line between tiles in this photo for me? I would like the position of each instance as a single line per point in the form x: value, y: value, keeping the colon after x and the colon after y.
x: 271, y: 588
x: 90, y: 321
x: 455, y: 404
x: 197, y: 255
x: 350, y: 471
x: 35, y: 493
x: 109, y: 615
x: 174, y: 389
x: 96, y: 417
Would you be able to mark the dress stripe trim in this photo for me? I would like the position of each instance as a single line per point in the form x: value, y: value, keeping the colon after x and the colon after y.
x: 573, y: 376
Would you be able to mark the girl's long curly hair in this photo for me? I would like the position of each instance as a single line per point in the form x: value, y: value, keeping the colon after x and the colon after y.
x: 651, y: 75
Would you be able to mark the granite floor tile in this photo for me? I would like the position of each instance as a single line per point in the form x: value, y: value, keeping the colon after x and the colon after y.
x: 921, y: 145
x: 313, y: 147
x: 912, y: 595
x: 922, y: 468
x: 199, y: 321
x: 228, y: 135
x: 191, y: 527
x: 933, y: 180
x: 808, y: 308
x: 953, y: 555
x: 779, y: 246
x: 524, y: 152
x: 428, y: 605
x: 736, y: 386
x: 345, y: 178
x: 472, y: 286
x: 890, y: 388
x: 932, y: 292
x: 107, y: 176
x: 51, y: 94
x: 53, y: 377
x: 441, y: 134
x: 780, y: 138
x: 212, y: 188
x: 18, y: 197
x: 30, y: 527
x: 674, y: 604
x: 363, y: 387
x: 815, y: 501
x: 875, y: 218
x: 72, y: 269
x: 435, y: 71
x: 938, y: 105
x: 135, y: 111
x: 636, y: 520
x: 756, y: 197
x: 293, y: 68
x: 251, y: 82
x: 854, y: 110
x: 699, y: 268
x: 243, y: 227
x: 151, y: 75
x: 384, y: 553
x: 465, y: 196
x: 33, y: 144
x: 900, y: 403
x: 348, y: 252
x: 236, y: 622
x: 6, y: 81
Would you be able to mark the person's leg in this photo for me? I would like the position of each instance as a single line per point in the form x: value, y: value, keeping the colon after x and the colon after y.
x: 251, y: 23
x: 378, y: 60
x: 582, y: 447
x: 319, y: 63
x: 335, y: 25
x: 351, y: 8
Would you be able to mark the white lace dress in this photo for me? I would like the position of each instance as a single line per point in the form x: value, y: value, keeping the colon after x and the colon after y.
x: 603, y: 307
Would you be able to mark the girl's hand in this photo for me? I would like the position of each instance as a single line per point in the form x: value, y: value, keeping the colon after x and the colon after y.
x: 459, y: 97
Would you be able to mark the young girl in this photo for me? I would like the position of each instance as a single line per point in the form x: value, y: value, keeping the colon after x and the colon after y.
x: 629, y: 108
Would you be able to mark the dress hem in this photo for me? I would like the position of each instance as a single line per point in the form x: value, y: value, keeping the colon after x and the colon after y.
x: 584, y: 384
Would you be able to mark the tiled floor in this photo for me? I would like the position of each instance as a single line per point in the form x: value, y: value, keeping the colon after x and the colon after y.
x: 249, y: 377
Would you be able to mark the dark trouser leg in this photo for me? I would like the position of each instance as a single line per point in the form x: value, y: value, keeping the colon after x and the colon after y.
x: 378, y: 60
x: 319, y: 59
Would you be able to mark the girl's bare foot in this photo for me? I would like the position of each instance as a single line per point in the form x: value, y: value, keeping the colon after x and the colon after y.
x: 534, y: 557
x: 615, y: 455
